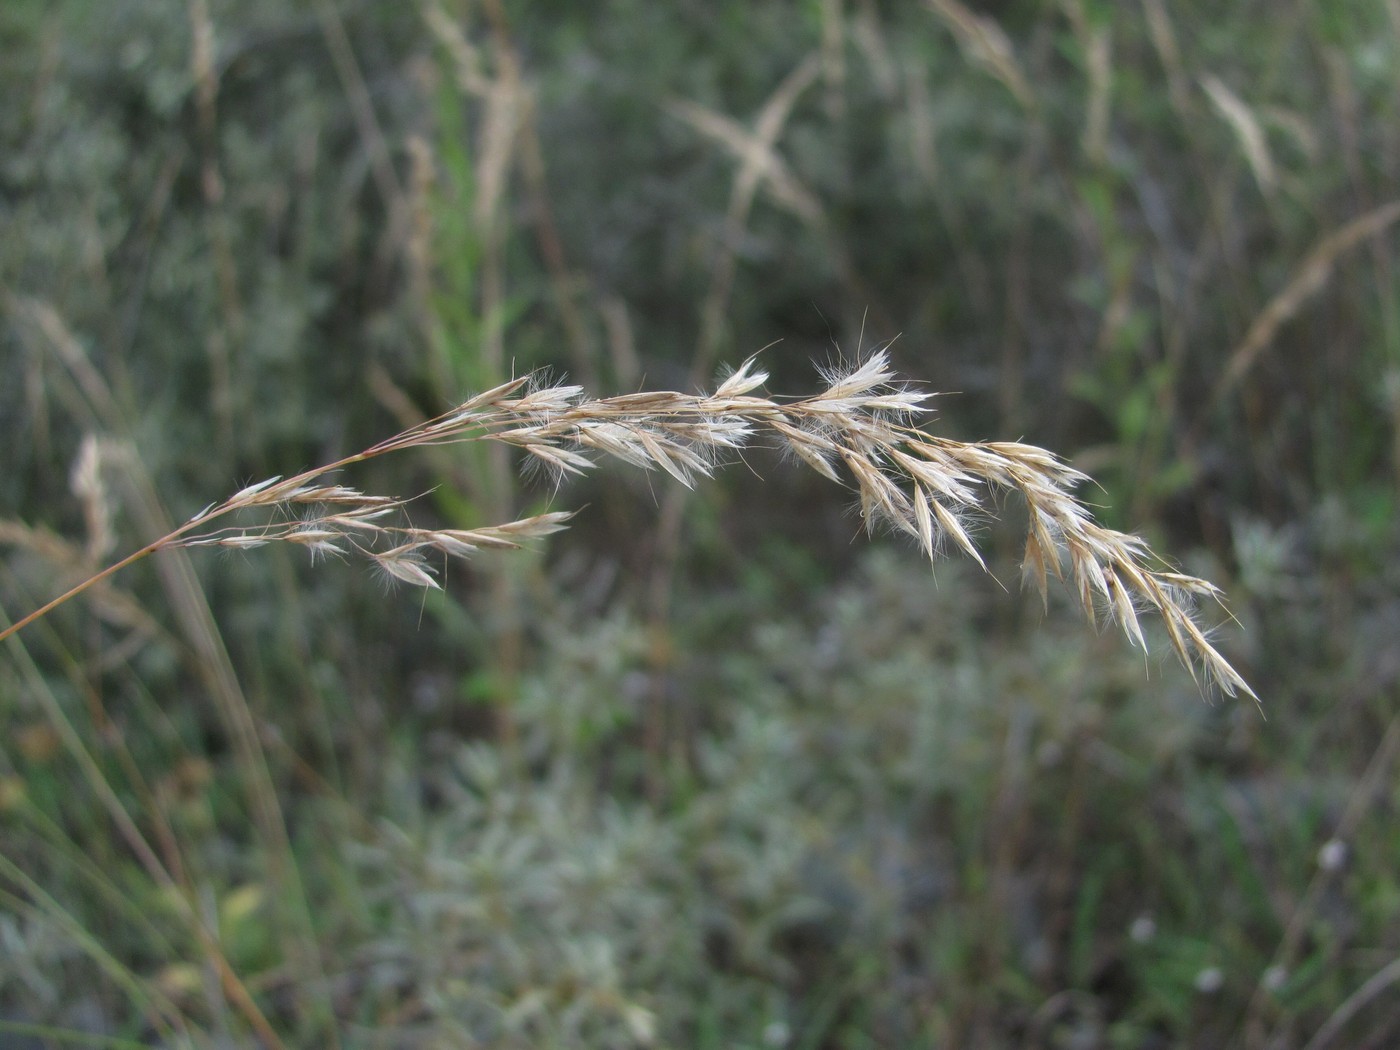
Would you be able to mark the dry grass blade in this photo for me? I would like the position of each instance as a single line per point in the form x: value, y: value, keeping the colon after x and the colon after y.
x: 987, y: 44
x: 863, y: 420
x: 1247, y: 129
x: 1309, y: 279
x: 759, y: 159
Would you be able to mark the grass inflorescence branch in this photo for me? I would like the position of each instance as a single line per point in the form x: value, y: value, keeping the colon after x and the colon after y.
x: 863, y: 430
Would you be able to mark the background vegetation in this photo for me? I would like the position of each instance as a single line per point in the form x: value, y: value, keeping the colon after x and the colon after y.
x: 703, y: 772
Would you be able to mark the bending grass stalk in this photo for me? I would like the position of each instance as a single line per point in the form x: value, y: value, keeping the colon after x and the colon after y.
x: 863, y: 425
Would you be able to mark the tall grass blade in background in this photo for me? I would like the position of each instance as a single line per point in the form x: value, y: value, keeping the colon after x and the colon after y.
x: 862, y: 424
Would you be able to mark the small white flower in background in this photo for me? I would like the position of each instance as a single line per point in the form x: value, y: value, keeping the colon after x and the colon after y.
x: 1274, y: 978
x: 1210, y: 980
x: 1332, y: 855
x: 776, y: 1033
x: 1143, y: 929
x: 641, y: 1022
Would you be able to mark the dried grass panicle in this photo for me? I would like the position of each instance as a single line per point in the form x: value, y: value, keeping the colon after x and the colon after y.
x: 863, y: 424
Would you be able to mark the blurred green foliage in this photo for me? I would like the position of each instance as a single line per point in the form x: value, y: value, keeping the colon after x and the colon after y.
x: 808, y: 796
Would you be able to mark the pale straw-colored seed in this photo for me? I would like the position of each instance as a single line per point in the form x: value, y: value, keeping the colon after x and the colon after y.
x: 403, y: 565
x: 247, y: 493
x: 950, y: 524
x: 743, y: 380
x: 238, y: 542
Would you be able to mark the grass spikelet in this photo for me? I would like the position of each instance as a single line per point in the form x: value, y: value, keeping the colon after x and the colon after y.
x: 743, y: 380
x: 404, y: 563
